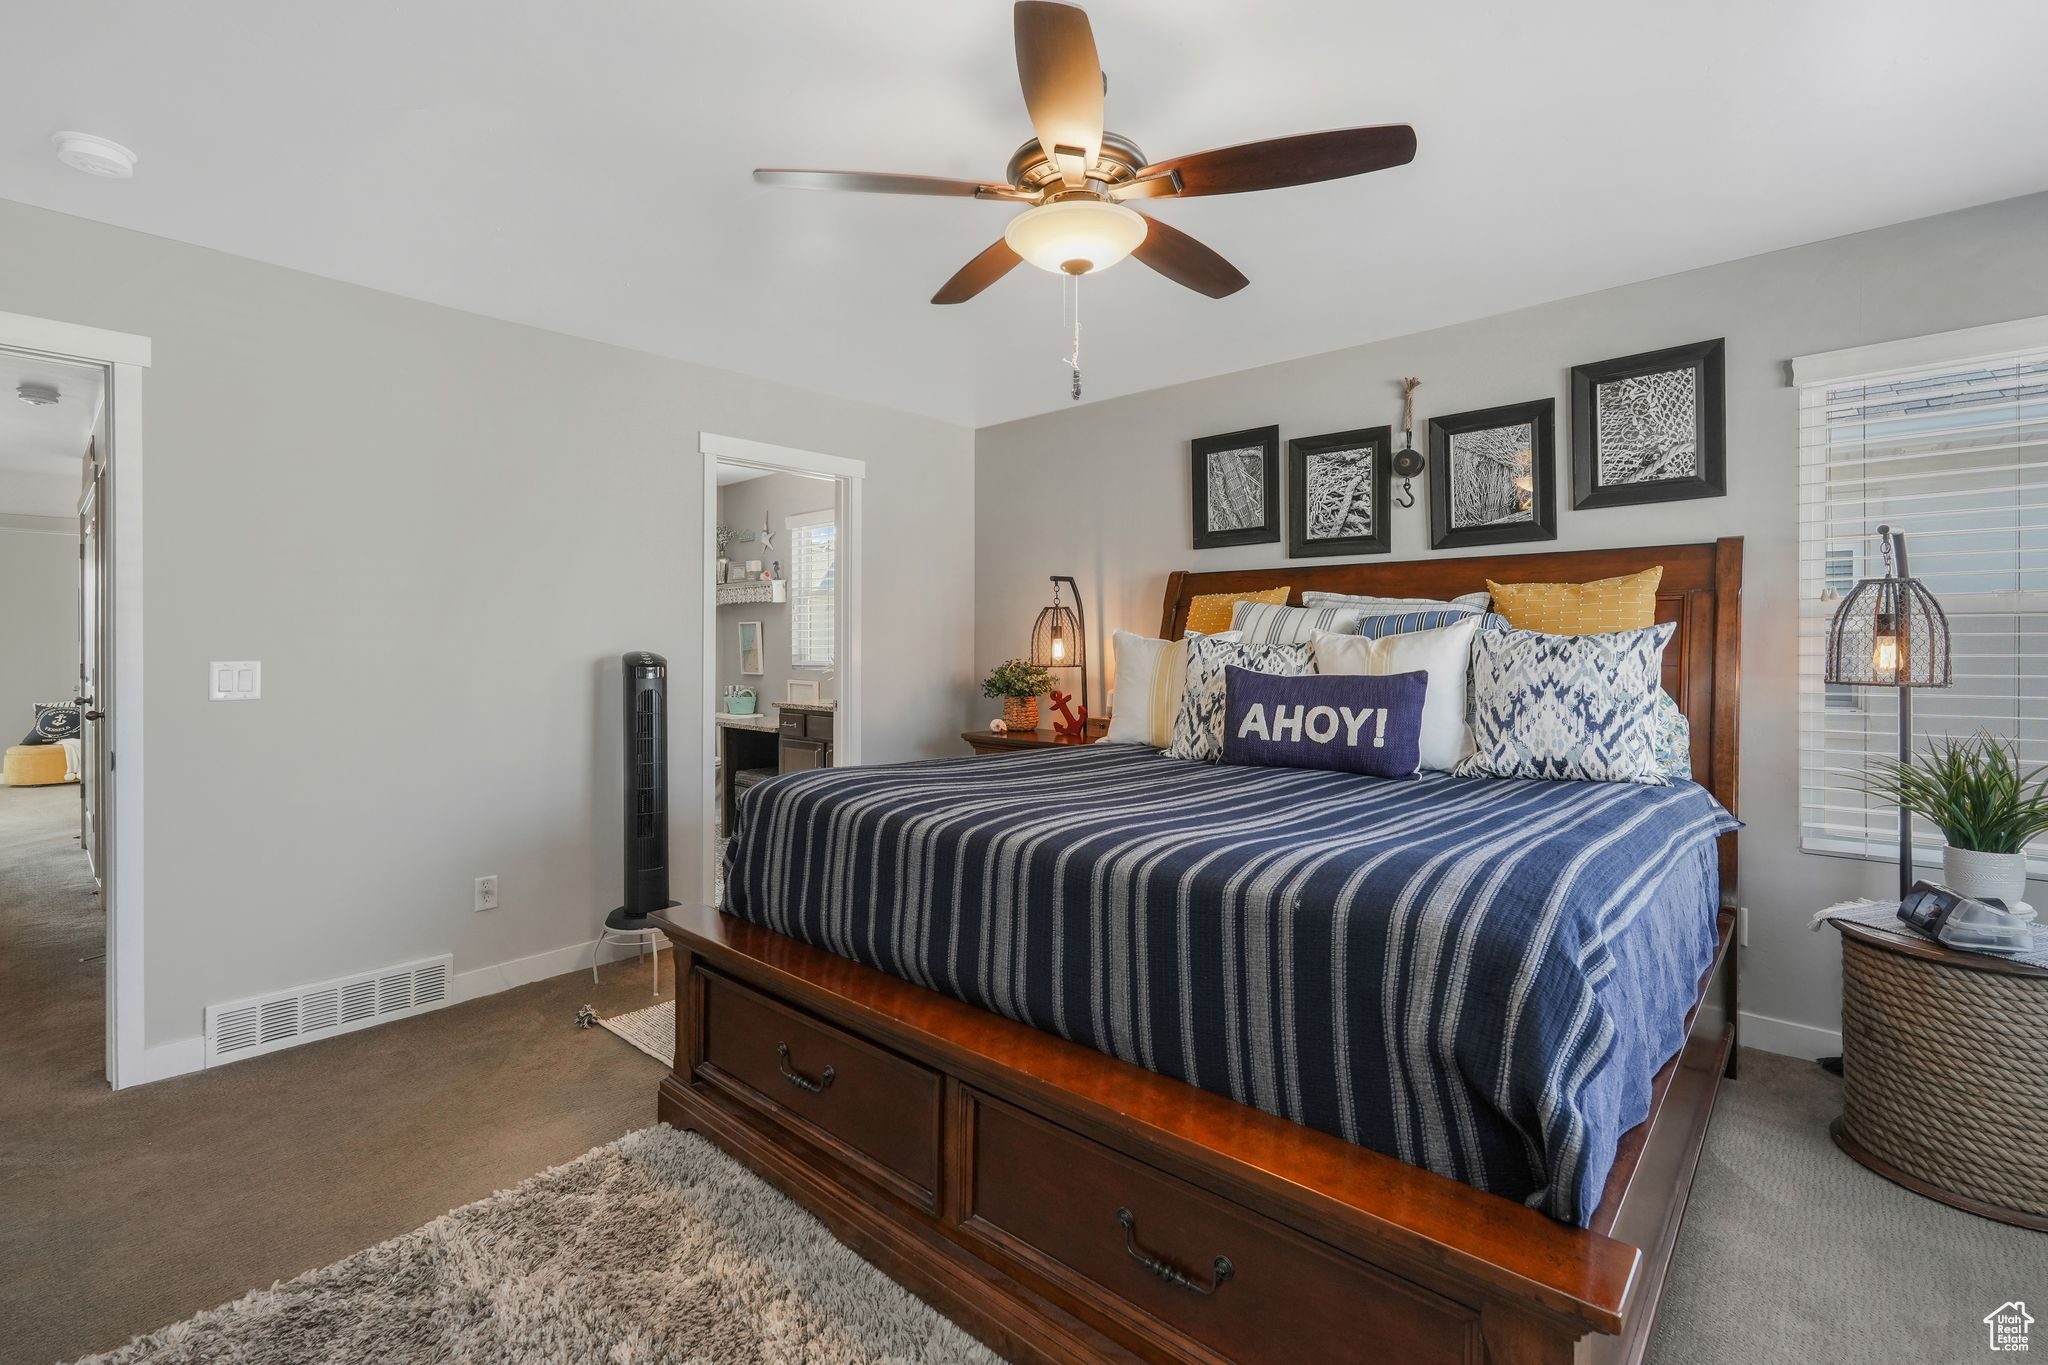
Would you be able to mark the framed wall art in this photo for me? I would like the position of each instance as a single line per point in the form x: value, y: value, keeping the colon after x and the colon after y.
x: 1236, y: 478
x: 1337, y: 493
x: 1650, y: 427
x: 1493, y: 476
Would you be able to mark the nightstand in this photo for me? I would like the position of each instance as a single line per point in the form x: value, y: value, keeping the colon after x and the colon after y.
x: 1944, y: 1078
x: 988, y: 742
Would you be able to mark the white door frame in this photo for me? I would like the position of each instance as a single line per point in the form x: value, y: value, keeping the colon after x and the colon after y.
x: 124, y: 358
x: 846, y: 723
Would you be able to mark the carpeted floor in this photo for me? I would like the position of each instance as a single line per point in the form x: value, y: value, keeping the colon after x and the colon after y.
x: 120, y: 1213
x: 656, y: 1248
x: 128, y: 1212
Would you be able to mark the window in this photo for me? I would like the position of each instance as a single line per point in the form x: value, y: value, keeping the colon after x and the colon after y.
x: 1955, y: 454
x: 813, y: 589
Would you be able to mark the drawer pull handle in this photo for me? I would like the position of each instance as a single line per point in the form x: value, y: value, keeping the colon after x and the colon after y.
x: 797, y: 1078
x: 1165, y: 1270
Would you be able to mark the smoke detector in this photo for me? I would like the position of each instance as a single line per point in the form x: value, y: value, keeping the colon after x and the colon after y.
x: 94, y: 155
x: 36, y: 395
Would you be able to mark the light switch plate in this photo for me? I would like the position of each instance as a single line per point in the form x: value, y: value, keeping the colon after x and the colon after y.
x: 237, y: 680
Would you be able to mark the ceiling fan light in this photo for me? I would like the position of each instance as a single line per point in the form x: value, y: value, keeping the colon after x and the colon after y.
x: 1075, y: 236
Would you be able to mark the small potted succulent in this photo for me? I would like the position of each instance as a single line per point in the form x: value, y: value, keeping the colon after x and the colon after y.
x: 1020, y: 685
x: 1986, y: 808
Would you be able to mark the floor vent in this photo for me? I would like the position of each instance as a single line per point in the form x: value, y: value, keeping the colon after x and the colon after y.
x: 267, y: 1023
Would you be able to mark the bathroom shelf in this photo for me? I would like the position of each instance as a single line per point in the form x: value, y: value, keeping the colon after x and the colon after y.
x: 753, y: 590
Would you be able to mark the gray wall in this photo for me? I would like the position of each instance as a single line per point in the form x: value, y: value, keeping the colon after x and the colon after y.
x: 743, y: 504
x: 437, y: 532
x: 38, y: 623
x: 1101, y: 491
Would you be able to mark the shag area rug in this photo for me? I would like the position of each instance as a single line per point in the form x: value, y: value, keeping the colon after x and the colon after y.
x: 655, y: 1249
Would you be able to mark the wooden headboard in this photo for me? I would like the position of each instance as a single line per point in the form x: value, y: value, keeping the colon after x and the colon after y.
x: 1701, y: 591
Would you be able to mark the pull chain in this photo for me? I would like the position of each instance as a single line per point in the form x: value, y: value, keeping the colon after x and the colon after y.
x: 1074, y: 309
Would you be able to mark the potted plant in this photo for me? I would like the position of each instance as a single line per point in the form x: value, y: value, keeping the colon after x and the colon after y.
x: 1985, y: 807
x: 1020, y: 685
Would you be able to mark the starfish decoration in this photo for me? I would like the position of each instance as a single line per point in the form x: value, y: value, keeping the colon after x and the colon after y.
x: 767, y: 536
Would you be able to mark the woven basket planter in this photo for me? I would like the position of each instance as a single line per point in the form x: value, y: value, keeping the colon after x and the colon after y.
x: 1946, y: 1078
x: 1020, y: 713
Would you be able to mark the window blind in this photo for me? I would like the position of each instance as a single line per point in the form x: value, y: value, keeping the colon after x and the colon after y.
x: 813, y: 589
x: 1956, y: 456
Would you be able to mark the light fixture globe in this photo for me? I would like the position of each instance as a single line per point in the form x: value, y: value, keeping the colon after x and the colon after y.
x: 1075, y: 236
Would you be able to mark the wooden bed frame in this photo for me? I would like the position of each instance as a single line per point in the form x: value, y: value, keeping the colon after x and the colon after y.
x: 1064, y: 1206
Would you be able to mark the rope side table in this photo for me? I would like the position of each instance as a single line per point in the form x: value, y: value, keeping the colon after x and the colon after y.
x: 1945, y: 1072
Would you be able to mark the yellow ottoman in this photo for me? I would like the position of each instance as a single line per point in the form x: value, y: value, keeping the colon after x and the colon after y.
x: 34, y: 765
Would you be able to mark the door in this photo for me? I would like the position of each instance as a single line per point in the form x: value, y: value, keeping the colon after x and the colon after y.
x: 92, y: 598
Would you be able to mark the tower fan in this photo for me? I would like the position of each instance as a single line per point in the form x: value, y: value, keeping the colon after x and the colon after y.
x: 646, y: 830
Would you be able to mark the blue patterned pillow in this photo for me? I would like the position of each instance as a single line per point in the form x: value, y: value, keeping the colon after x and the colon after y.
x: 1198, y: 724
x: 1572, y: 708
x: 1674, y: 740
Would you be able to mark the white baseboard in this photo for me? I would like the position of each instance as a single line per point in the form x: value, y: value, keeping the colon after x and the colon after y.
x: 519, y: 971
x: 166, y: 1060
x: 1789, y: 1039
x: 183, y: 1055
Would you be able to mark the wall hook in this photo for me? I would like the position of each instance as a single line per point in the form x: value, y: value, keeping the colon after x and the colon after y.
x: 1408, y: 461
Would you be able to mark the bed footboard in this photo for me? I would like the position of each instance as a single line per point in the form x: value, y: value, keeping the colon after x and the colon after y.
x: 1064, y: 1206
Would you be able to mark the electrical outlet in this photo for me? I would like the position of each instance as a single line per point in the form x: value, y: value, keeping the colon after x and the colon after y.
x: 487, y: 892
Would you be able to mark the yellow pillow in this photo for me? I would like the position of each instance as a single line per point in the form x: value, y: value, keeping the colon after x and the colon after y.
x: 1596, y: 608
x: 1209, y: 614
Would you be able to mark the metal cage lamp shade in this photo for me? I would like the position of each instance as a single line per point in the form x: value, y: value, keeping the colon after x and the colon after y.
x: 1059, y: 638
x: 1890, y: 632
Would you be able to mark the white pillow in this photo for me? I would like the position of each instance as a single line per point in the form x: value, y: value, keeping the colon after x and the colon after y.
x: 1265, y: 623
x: 1446, y: 655
x: 1150, y: 677
x: 1381, y: 606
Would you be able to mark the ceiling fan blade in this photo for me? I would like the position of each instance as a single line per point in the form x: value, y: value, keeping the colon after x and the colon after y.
x: 1299, y: 160
x: 1186, y: 261
x: 1062, y: 80
x: 878, y: 182
x: 979, y: 273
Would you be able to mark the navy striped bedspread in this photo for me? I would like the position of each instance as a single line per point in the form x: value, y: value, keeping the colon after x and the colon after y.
x: 1478, y: 976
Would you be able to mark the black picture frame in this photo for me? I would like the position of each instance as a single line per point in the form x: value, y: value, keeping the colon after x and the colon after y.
x: 1378, y: 443
x: 1445, y: 533
x: 1709, y: 428
x: 1266, y: 440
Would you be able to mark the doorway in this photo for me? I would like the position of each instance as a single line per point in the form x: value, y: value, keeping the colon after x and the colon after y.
x: 71, y: 687
x: 781, y: 646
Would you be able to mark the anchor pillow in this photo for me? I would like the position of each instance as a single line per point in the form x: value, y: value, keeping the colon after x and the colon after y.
x: 1350, y: 723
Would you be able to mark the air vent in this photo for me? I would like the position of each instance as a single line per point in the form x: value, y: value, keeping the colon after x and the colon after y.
x: 288, y: 1018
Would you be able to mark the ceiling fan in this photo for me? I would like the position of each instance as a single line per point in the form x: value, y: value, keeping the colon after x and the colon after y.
x: 1077, y: 177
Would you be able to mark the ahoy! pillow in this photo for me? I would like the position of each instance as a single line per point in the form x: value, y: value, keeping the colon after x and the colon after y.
x: 1353, y: 724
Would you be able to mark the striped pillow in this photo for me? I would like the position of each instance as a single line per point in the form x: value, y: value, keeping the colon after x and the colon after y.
x: 1408, y: 622
x: 1471, y: 601
x: 1209, y: 613
x: 1266, y: 623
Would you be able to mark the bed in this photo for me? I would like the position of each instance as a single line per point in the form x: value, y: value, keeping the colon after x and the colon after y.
x: 1117, y: 1057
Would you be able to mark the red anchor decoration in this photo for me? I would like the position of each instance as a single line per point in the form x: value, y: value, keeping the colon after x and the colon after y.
x: 1073, y: 723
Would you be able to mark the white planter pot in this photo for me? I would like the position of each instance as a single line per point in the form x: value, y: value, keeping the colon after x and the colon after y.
x: 1998, y: 876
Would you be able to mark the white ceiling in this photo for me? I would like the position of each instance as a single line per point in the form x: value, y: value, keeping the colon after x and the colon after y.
x: 42, y: 448
x: 585, y: 168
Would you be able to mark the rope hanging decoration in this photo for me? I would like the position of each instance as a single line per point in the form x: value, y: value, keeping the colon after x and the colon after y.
x: 1408, y: 461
